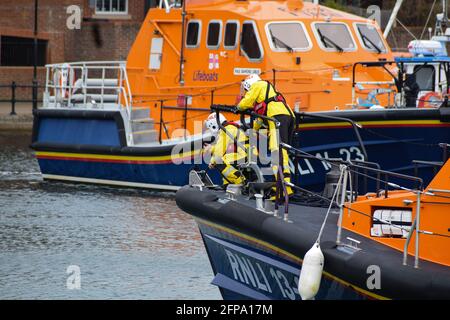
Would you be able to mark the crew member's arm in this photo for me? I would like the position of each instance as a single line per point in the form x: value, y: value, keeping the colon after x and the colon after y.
x: 249, y: 99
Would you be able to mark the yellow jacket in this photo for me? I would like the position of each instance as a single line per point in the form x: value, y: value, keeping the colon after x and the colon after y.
x: 226, y: 145
x: 257, y: 93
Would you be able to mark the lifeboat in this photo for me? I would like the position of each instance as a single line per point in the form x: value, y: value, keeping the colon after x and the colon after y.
x: 139, y: 122
x: 343, y: 245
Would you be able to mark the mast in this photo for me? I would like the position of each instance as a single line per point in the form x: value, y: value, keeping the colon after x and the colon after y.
x: 445, y: 13
x: 183, y: 22
x: 393, y: 17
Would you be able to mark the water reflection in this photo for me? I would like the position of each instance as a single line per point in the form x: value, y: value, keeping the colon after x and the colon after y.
x: 129, y: 244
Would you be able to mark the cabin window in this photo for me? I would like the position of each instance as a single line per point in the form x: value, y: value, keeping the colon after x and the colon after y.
x: 370, y: 37
x: 156, y: 53
x: 334, y: 36
x: 250, y: 43
x: 287, y: 36
x: 214, y: 34
x: 425, y: 77
x: 111, y: 6
x: 193, y: 34
x: 231, y: 35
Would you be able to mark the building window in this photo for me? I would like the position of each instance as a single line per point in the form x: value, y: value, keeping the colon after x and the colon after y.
x: 111, y: 6
x: 231, y: 35
x: 16, y: 51
x: 250, y: 43
x: 214, y: 34
x: 193, y: 34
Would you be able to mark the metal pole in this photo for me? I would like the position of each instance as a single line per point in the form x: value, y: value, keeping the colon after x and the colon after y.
x: 274, y: 80
x: 185, y: 115
x: 13, y: 99
x: 183, y: 22
x: 341, y: 204
x: 445, y: 11
x: 393, y: 18
x: 35, y: 59
x: 416, y: 255
x: 160, y: 122
x: 408, y: 239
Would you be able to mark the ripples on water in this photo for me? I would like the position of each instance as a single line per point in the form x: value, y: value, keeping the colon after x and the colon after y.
x: 129, y: 244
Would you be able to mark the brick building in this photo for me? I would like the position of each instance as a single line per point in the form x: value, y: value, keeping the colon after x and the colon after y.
x: 107, y: 30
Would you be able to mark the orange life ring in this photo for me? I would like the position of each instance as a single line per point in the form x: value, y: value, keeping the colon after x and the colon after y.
x: 64, y: 81
x: 430, y: 100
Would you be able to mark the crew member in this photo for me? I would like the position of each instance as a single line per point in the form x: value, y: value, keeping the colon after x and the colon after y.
x: 262, y: 97
x: 226, y: 154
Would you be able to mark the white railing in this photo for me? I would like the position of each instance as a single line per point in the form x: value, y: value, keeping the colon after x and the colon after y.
x: 93, y: 85
x: 87, y: 85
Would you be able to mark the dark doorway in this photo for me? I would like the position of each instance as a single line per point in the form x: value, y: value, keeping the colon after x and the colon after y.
x: 17, y: 51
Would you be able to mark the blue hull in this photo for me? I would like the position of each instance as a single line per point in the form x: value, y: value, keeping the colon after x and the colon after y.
x: 243, y: 272
x: 99, y: 153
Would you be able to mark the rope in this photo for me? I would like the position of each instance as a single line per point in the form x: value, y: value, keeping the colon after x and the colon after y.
x: 188, y: 118
x: 428, y: 19
x: 395, y: 139
x: 331, y: 203
x: 363, y: 213
x: 407, y: 30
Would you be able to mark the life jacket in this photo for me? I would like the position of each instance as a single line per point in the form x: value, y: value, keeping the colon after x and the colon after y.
x: 261, y: 108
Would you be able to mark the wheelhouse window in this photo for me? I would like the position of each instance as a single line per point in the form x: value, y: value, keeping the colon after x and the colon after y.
x: 370, y: 37
x: 214, y: 34
x: 250, y: 43
x: 193, y: 34
x: 425, y: 77
x: 333, y: 36
x: 231, y: 35
x: 111, y: 6
x: 287, y: 36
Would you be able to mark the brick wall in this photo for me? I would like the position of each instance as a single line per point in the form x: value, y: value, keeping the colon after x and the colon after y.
x: 101, y: 37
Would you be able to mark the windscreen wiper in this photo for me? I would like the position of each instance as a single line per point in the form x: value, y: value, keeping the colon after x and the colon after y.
x: 366, y: 38
x: 290, y: 49
x: 325, y: 39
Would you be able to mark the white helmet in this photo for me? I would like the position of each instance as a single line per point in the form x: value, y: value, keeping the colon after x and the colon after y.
x: 211, y: 122
x: 249, y: 81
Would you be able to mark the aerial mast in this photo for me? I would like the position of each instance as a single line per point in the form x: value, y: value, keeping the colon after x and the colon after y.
x: 393, y: 17
x: 183, y: 23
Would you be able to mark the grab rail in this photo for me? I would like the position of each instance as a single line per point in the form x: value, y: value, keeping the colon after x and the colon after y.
x: 356, y: 126
x: 89, y: 85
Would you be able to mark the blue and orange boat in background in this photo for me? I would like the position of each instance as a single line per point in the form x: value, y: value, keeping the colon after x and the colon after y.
x: 139, y: 123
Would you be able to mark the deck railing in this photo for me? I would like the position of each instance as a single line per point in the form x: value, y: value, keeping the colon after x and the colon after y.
x: 93, y: 85
x: 88, y: 85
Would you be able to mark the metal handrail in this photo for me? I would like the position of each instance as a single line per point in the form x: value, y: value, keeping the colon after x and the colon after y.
x: 120, y: 88
x: 356, y: 126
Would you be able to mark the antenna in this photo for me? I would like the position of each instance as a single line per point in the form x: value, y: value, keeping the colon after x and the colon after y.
x: 445, y: 12
x: 183, y: 26
x: 393, y: 17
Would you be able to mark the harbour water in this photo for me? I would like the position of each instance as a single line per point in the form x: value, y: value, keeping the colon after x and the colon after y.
x: 126, y: 244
